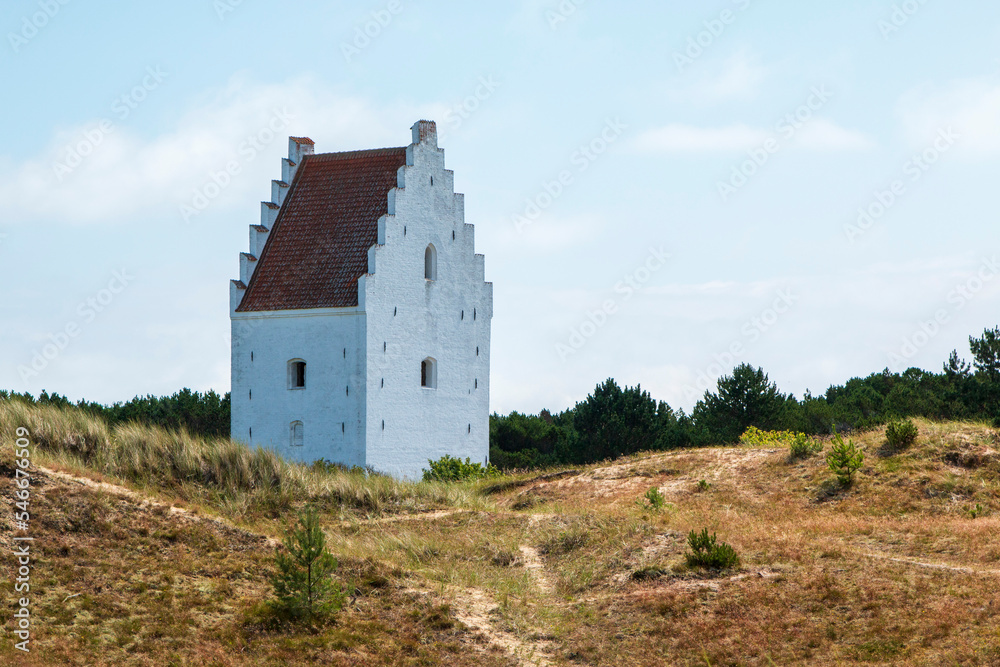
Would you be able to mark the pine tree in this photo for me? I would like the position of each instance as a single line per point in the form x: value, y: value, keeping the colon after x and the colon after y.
x: 303, y: 583
x: 844, y: 459
x: 986, y: 354
x: 745, y: 398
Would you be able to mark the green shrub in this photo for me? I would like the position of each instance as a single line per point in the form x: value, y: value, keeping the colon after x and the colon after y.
x: 656, y: 499
x: 844, y: 459
x: 451, y: 469
x: 802, y: 446
x: 303, y: 583
x: 703, y: 485
x: 977, y: 511
x: 706, y: 552
x: 900, y: 434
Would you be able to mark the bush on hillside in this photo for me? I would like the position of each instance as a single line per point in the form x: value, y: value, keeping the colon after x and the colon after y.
x: 844, y: 459
x: 451, y: 469
x: 900, y: 434
x: 755, y: 437
x: 655, y: 499
x: 708, y: 553
x: 802, y: 446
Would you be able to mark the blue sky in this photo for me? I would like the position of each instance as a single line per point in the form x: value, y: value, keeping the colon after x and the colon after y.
x: 661, y: 189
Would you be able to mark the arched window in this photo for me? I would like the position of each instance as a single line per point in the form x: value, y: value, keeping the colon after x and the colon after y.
x: 295, y: 434
x: 428, y: 373
x: 296, y: 374
x: 430, y: 263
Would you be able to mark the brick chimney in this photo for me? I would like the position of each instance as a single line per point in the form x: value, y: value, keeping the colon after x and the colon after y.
x: 425, y: 132
x: 298, y: 148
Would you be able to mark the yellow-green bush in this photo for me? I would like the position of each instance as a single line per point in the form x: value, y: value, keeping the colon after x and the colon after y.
x: 799, y: 445
x: 755, y: 437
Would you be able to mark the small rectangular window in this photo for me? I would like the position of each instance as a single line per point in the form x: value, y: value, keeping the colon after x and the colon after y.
x: 428, y: 373
x: 296, y: 374
x: 430, y: 263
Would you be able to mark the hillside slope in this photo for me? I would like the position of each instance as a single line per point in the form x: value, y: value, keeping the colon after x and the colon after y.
x: 566, y: 568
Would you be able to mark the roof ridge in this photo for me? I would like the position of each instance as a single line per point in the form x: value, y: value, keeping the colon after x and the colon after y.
x: 370, y: 152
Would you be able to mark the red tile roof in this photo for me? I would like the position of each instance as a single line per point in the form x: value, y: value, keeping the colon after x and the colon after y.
x: 318, y: 247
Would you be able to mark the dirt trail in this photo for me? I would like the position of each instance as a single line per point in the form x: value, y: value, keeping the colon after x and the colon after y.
x: 476, y: 609
x: 399, y: 518
x: 934, y: 566
x: 101, y: 486
x: 533, y: 563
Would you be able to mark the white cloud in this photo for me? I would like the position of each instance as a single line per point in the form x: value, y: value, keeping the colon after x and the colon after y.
x: 126, y: 174
x: 823, y: 135
x: 971, y: 107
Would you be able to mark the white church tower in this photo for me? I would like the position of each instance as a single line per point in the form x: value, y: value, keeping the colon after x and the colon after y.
x: 361, y: 319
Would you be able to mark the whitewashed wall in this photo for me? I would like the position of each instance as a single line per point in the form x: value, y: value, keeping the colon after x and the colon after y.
x: 410, y: 319
x: 330, y: 407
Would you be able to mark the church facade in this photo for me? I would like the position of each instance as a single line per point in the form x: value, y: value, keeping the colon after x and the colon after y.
x: 361, y: 318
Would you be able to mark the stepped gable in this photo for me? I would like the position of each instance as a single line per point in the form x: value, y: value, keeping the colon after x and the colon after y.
x: 318, y: 246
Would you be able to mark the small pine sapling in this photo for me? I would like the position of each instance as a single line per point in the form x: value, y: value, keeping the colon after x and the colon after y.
x: 900, y: 434
x: 844, y: 459
x: 655, y: 498
x: 303, y: 583
x: 706, y: 552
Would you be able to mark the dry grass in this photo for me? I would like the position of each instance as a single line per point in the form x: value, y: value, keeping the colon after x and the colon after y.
x: 222, y: 475
x: 118, y: 583
x: 818, y: 584
x: 902, y: 568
